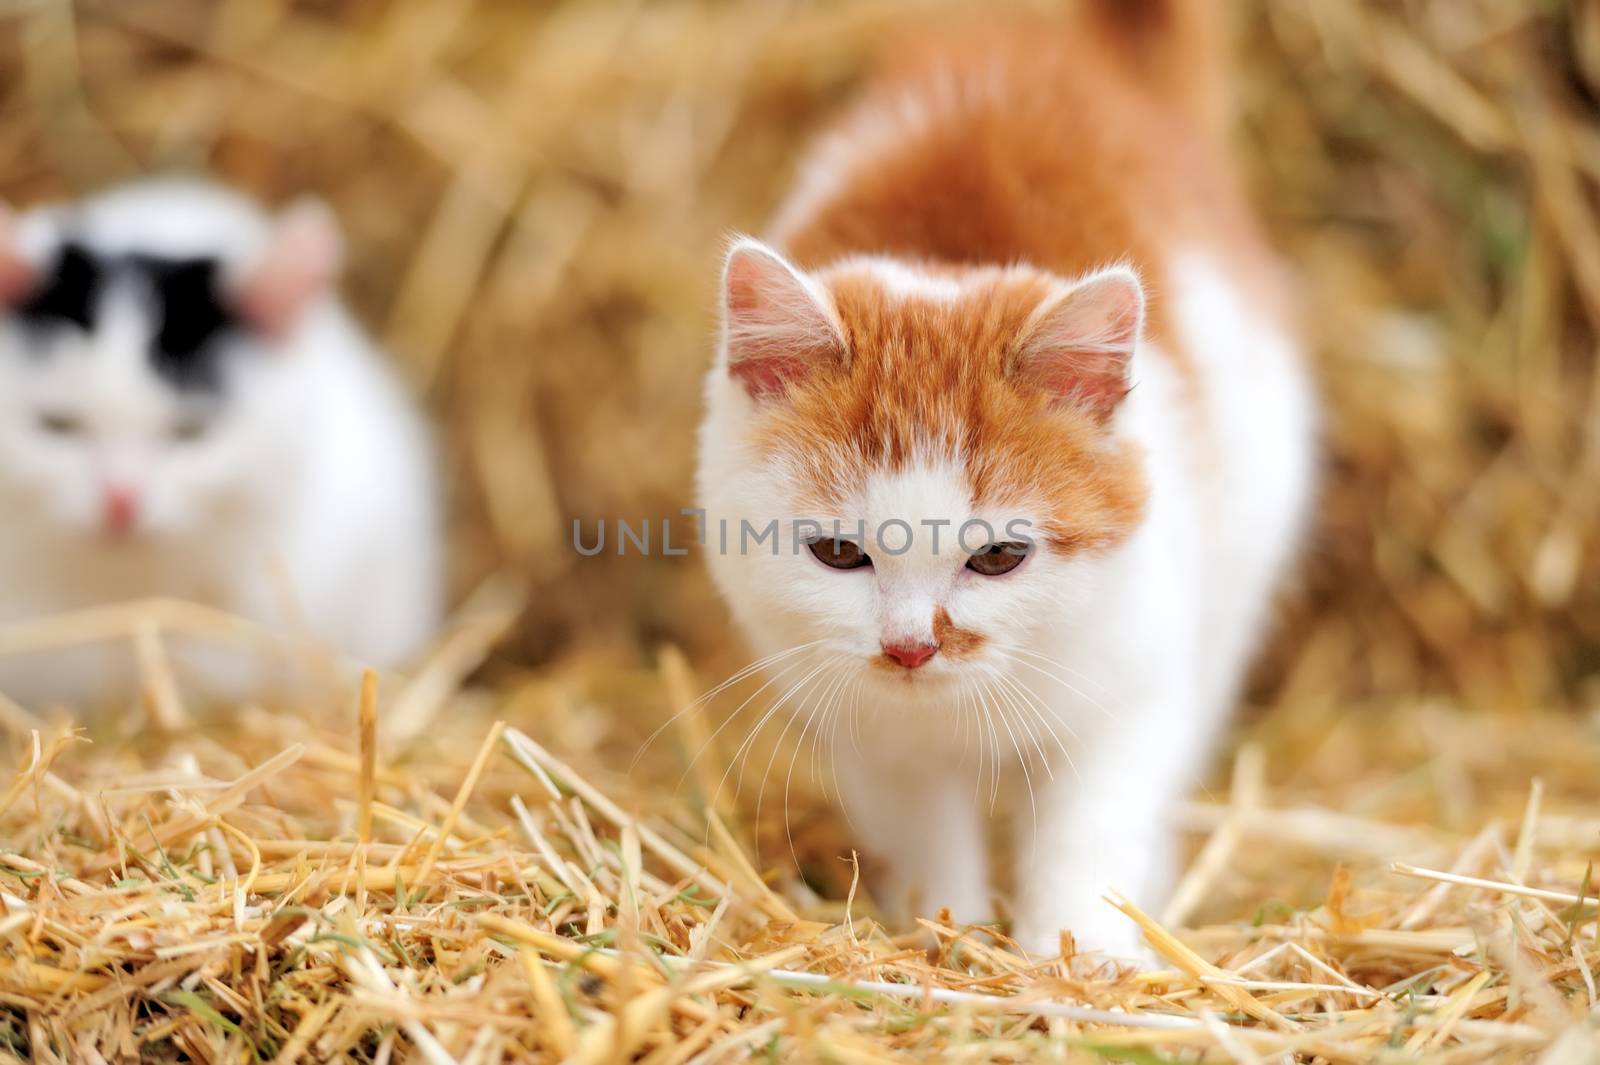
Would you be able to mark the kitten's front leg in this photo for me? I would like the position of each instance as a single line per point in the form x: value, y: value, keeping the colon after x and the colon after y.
x: 1106, y: 828
x: 921, y: 820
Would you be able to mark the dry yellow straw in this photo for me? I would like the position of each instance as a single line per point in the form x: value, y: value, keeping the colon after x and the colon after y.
x: 369, y: 754
x: 462, y: 794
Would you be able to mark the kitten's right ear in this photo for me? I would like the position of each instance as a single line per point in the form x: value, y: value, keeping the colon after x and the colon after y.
x: 17, y: 274
x: 300, y: 262
x: 778, y: 326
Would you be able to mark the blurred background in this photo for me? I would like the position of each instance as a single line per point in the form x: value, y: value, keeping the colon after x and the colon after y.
x: 536, y: 194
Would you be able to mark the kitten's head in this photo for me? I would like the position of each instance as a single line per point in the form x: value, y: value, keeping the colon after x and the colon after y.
x: 939, y: 448
x: 146, y: 341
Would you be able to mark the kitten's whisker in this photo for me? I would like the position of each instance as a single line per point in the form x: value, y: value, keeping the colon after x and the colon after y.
x: 1038, y: 709
x: 774, y: 678
x: 816, y: 720
x: 753, y: 667
x: 848, y: 699
x: 972, y: 730
x: 964, y: 723
x: 969, y: 734
x: 809, y: 712
x: 1079, y: 692
x: 1110, y: 713
x: 847, y: 695
x: 835, y: 683
x: 1026, y: 708
x: 994, y: 754
x: 1025, y: 716
x: 742, y: 753
x: 967, y: 707
x: 830, y: 697
x: 1044, y: 710
x: 995, y: 757
x: 731, y: 718
x: 814, y: 756
x: 747, y: 749
x: 835, y: 680
x: 1016, y: 745
x: 855, y: 722
x: 833, y: 754
x: 828, y: 744
x: 1019, y: 649
x: 744, y: 747
x: 1027, y: 776
x: 961, y: 710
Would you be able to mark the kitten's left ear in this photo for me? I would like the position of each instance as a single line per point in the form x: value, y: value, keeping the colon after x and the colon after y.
x: 300, y: 262
x: 778, y: 326
x: 1078, y: 347
x: 17, y: 274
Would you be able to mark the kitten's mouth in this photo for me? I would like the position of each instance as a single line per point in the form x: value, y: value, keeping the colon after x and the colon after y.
x: 929, y: 672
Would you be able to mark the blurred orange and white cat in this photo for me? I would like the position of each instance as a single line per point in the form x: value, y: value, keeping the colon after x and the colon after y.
x: 1017, y: 289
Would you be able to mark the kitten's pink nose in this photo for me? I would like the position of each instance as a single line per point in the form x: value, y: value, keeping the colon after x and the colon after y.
x: 119, y: 509
x: 910, y: 655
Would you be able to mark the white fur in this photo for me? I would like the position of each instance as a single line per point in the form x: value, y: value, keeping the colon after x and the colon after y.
x: 1106, y: 678
x: 310, y: 504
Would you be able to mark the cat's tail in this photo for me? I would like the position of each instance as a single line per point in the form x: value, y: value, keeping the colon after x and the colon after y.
x: 1178, y: 48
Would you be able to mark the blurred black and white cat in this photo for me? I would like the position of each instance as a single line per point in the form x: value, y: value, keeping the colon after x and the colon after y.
x: 187, y: 410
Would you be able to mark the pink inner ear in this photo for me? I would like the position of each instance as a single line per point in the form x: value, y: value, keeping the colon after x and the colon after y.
x: 17, y: 275
x: 1079, y: 350
x: 299, y: 264
x: 775, y: 329
x: 16, y: 278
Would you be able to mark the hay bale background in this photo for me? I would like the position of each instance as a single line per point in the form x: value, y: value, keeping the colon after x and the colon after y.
x: 536, y: 196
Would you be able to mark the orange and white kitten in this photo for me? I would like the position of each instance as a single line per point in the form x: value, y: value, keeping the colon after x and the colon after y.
x: 1013, y: 375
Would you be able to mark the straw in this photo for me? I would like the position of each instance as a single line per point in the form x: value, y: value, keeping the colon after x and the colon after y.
x: 233, y: 909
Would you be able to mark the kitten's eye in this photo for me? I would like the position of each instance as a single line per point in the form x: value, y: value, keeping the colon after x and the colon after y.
x: 188, y: 430
x: 999, y: 558
x: 54, y: 423
x: 839, y: 554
